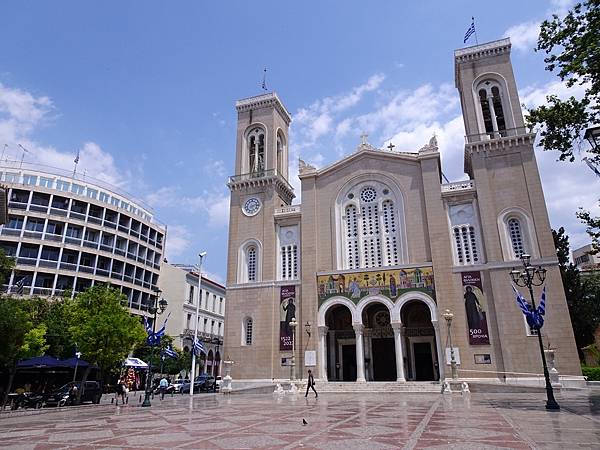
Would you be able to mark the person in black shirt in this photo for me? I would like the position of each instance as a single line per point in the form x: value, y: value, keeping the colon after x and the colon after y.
x: 311, y: 384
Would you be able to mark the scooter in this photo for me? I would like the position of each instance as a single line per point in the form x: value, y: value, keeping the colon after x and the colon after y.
x: 28, y: 400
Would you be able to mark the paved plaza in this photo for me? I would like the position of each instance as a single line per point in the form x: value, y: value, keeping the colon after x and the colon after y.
x: 335, y: 421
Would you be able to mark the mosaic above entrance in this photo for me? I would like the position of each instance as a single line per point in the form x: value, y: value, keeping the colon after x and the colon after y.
x: 390, y: 283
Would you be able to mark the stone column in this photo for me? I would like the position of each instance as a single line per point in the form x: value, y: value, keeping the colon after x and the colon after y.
x: 322, y: 353
x: 397, y: 326
x: 360, y: 353
x: 440, y: 354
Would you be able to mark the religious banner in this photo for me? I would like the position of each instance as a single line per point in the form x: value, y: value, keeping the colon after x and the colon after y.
x: 287, y: 311
x: 390, y: 283
x: 476, y: 306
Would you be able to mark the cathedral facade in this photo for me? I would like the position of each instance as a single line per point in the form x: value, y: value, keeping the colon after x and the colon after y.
x: 354, y: 281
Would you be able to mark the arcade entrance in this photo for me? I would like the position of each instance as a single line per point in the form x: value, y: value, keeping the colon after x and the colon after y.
x: 341, y: 345
x: 419, y: 342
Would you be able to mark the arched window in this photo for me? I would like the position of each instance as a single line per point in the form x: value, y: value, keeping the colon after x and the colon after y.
x: 492, y: 106
x: 247, y: 331
x: 370, y: 226
x: 251, y: 255
x: 256, y: 150
x: 517, y: 234
x: 280, y: 153
x: 249, y: 262
x: 516, y: 237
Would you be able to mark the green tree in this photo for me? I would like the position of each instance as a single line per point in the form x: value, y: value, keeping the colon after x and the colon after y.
x: 6, y: 265
x: 58, y: 319
x: 572, y: 48
x: 103, y: 328
x: 582, y: 294
x: 19, y: 336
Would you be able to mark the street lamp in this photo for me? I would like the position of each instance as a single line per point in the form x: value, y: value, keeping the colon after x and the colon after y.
x: 293, y: 325
x: 528, y: 277
x: 592, y: 135
x: 448, y: 315
x: 158, y: 307
x: 217, y: 343
x: 193, y: 371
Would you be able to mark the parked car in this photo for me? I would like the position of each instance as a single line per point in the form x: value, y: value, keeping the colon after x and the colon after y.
x: 177, y: 385
x: 91, y: 393
x: 203, y: 382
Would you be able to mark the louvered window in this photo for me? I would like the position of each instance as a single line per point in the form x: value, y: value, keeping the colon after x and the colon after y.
x: 248, y: 331
x: 352, y: 238
x: 289, y: 262
x: 251, y: 263
x: 465, y: 240
x: 516, y: 237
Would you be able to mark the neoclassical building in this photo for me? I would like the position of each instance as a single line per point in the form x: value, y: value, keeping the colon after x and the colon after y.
x: 380, y: 247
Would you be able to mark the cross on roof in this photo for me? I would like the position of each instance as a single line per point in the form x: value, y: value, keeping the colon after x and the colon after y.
x: 391, y: 146
x: 363, y: 137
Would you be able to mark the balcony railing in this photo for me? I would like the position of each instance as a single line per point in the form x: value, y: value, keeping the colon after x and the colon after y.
x: 293, y: 209
x: 459, y: 186
x: 510, y: 132
x: 263, y: 174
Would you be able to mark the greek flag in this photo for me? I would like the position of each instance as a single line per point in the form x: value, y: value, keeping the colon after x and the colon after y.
x: 20, y: 286
x: 198, y: 347
x: 470, y: 31
x: 535, y: 318
x: 154, y: 338
x: 169, y: 352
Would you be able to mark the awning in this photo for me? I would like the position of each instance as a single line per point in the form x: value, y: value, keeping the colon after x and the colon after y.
x: 136, y: 363
x: 39, y: 362
x: 72, y: 362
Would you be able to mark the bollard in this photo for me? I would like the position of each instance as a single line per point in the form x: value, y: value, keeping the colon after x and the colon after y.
x: 127, y: 400
x: 140, y: 400
x: 112, y: 401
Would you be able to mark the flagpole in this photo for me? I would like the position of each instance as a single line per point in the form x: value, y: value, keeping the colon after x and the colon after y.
x: 193, y: 371
x: 475, y: 30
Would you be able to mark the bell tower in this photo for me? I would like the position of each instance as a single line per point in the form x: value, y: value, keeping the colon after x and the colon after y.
x: 258, y: 187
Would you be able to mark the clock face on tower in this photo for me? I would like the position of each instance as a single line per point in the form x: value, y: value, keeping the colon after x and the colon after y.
x: 251, y: 206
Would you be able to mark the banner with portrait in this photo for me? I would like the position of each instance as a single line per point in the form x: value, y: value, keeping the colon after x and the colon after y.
x: 287, y: 311
x: 476, y: 308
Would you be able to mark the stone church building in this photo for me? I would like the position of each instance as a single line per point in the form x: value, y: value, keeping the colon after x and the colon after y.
x: 380, y: 247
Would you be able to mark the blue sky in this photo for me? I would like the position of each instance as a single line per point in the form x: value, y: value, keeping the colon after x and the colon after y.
x: 146, y: 92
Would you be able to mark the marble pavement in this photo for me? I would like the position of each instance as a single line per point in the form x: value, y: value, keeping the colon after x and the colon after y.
x: 335, y: 421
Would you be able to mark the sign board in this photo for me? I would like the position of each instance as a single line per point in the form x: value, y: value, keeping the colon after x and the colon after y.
x: 310, y: 358
x: 456, y: 356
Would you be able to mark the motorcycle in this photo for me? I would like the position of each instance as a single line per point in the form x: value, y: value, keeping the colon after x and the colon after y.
x: 28, y: 400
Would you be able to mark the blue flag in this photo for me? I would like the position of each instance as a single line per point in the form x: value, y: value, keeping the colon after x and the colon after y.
x: 198, y: 347
x: 170, y: 353
x: 470, y: 31
x: 535, y: 318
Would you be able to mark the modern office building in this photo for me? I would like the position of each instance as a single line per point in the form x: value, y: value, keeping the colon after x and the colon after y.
x: 70, y: 232
x: 586, y: 260
x: 381, y: 247
x: 179, y: 285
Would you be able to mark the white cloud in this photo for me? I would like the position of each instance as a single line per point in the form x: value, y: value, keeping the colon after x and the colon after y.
x: 22, y: 114
x: 214, y: 204
x: 524, y: 36
x: 179, y: 239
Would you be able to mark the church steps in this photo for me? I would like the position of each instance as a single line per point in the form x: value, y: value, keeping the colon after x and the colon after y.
x: 380, y: 386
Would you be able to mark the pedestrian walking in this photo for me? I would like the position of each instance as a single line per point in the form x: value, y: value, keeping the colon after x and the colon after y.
x: 163, y: 385
x: 120, y: 391
x: 311, y: 384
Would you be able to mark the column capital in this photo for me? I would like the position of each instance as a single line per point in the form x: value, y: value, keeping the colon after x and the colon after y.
x: 397, y: 326
x: 435, y: 324
x: 358, y: 328
x: 323, y: 330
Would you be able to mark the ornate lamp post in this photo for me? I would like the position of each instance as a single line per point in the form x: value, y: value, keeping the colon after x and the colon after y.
x: 448, y: 316
x: 592, y: 135
x: 158, y: 307
x: 293, y: 325
x: 217, y: 343
x: 528, y: 277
